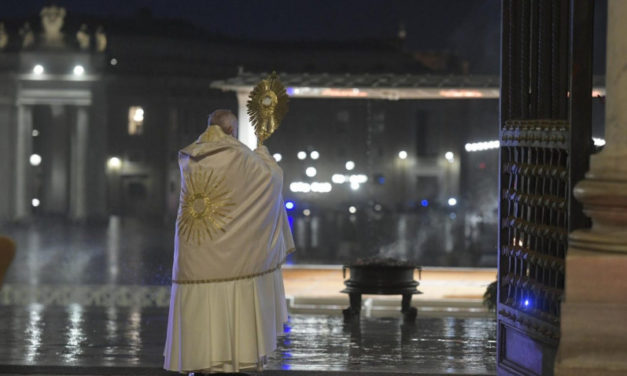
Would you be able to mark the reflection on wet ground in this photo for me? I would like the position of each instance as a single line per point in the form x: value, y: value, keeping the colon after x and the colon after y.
x: 106, y: 287
x: 430, y: 345
x: 82, y: 336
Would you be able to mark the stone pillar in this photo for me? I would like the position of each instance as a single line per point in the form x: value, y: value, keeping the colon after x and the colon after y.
x: 6, y: 160
x: 594, y: 331
x: 78, y: 163
x: 55, y: 152
x: 23, y: 150
x: 246, y: 131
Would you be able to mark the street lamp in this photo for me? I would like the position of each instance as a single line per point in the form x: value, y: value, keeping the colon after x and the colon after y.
x: 311, y: 172
x: 78, y: 70
x: 35, y: 159
x: 114, y: 163
x: 338, y: 179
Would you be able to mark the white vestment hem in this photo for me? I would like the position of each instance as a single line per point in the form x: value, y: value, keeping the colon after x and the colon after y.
x: 239, y: 321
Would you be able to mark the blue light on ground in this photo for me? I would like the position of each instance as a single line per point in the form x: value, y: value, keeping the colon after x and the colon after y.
x: 289, y: 205
x: 424, y: 203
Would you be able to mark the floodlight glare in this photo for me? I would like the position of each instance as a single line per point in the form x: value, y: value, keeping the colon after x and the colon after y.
x: 35, y: 159
x: 114, y: 163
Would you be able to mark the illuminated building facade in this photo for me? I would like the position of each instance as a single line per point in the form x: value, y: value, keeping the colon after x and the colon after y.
x: 108, y: 136
x: 86, y: 143
x: 52, y: 123
x: 91, y: 121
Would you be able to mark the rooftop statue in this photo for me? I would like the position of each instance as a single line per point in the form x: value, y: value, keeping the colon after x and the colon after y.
x: 101, y: 39
x: 28, y: 37
x: 52, y: 21
x: 82, y: 36
x: 4, y: 37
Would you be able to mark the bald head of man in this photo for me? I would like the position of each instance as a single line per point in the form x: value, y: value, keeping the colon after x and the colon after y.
x: 225, y: 119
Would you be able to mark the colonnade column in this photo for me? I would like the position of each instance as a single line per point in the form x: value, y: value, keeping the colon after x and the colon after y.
x: 593, y: 330
x: 78, y: 163
x: 246, y: 131
x: 23, y: 149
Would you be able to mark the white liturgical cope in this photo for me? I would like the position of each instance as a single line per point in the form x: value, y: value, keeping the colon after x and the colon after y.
x: 227, y: 305
x: 231, y: 222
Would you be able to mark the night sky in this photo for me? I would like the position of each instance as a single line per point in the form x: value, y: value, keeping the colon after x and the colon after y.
x: 469, y: 29
x: 427, y: 21
x: 442, y: 25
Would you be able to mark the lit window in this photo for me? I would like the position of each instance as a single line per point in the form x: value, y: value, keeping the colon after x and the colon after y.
x: 135, y: 120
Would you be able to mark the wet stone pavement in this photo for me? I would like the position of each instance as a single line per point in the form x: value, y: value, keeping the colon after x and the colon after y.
x: 129, y: 340
x: 92, y: 300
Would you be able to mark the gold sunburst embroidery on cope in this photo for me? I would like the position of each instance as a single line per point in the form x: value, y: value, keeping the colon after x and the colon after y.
x: 205, y: 207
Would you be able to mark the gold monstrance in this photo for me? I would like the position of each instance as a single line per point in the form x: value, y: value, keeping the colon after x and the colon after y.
x: 267, y: 105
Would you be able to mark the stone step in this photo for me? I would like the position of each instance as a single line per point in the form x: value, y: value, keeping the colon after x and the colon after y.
x: 377, y: 306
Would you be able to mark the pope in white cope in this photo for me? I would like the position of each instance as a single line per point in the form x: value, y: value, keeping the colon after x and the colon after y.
x: 232, y: 236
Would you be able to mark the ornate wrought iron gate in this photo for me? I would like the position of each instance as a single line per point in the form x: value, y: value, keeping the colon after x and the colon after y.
x: 546, y: 79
